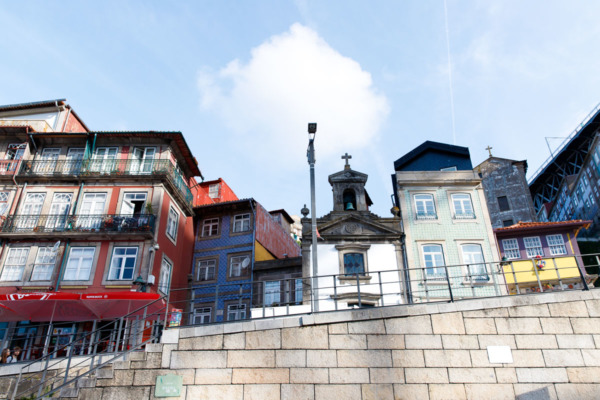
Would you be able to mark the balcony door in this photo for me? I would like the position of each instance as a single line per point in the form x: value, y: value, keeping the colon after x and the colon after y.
x: 15, y: 151
x: 143, y: 159
x: 74, y: 160
x: 59, y: 211
x: 46, y: 164
x: 31, y: 210
x: 91, y: 212
x: 104, y: 159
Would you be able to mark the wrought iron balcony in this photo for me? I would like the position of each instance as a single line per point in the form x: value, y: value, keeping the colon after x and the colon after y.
x: 426, y: 215
x: 8, y: 168
x: 107, y: 169
x: 464, y: 215
x: 78, y: 224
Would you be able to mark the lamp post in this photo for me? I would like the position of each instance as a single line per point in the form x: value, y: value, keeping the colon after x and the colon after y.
x: 310, y: 154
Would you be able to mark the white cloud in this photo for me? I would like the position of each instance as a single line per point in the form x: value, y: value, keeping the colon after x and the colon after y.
x: 291, y: 79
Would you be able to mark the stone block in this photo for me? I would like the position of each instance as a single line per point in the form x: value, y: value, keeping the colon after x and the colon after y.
x: 346, y: 392
x: 338, y: 329
x: 570, y: 309
x: 347, y: 342
x: 534, y: 391
x: 268, y: 324
x: 426, y: 375
x: 260, y: 375
x: 423, y: 342
x: 486, y: 313
x: 586, y: 325
x: 154, y: 347
x: 121, y: 377
x: 214, y: 342
x: 125, y: 393
x: 104, y: 373
x: 234, y: 341
x: 563, y: 358
x: 411, y: 325
x: 214, y: 392
x: 309, y: 375
x: 445, y: 392
x: 480, y: 326
x: 198, y: 359
x: 270, y: 339
x: 527, y: 358
x: 536, y: 342
x: 593, y: 307
x: 321, y: 358
x: 250, y: 359
x: 170, y: 336
x: 408, y: 358
x: 375, y: 327
x: 364, y: 358
x: 90, y: 393
x: 556, y: 325
x: 460, y: 342
x: 290, y: 358
x: 121, y: 365
x: 137, y: 356
x: 506, y: 375
x: 385, y: 341
x: 307, y: 337
x: 575, y: 341
x: 479, y: 358
x: 591, y: 358
x: 262, y: 392
x: 535, y: 310
x: 411, y: 392
x: 297, y: 391
x: 583, y: 375
x: 472, y: 375
x: 166, y: 355
x: 577, y: 391
x: 448, y: 324
x: 518, y: 326
x: 542, y: 375
x: 489, y: 392
x: 213, y: 376
x: 496, y: 340
x: 377, y: 391
x: 447, y: 358
x: 386, y: 375
x: 348, y: 375
x: 148, y: 377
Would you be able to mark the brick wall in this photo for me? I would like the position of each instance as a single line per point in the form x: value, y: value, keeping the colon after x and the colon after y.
x: 402, y: 352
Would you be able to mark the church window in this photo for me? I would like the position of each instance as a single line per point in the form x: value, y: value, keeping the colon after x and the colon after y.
x: 425, y: 206
x: 463, y: 207
x: 354, y: 263
x: 349, y: 198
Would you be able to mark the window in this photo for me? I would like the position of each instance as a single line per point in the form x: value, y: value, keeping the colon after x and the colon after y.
x: 172, y: 223
x: 556, y: 244
x: 533, y: 245
x: 104, y: 160
x: 507, y: 222
x: 298, y: 291
x: 433, y: 256
x: 133, y: 204
x: 473, y: 257
x: 74, y: 160
x: 210, y: 227
x: 202, y: 315
x: 239, y: 266
x: 143, y: 160
x: 354, y: 263
x: 44, y: 264
x: 46, y: 164
x: 61, y: 203
x: 213, y: 191
x: 165, y: 276
x: 79, y: 264
x: 463, y: 207
x: 206, y: 270
x: 511, y: 248
x: 425, y: 206
x: 3, y: 203
x: 503, y: 203
x: 241, y: 223
x: 15, y: 264
x: 236, y: 312
x: 30, y: 212
x: 122, y: 264
x: 91, y: 210
x: 272, y: 293
x: 452, y: 168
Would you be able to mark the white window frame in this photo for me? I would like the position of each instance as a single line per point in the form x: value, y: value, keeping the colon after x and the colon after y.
x: 272, y: 295
x: 45, y: 261
x: 164, y: 282
x: 172, y: 223
x: 214, y: 191
x: 205, y: 315
x: 431, y: 264
x: 236, y: 267
x: 13, y: 271
x: 556, y: 244
x: 533, y: 246
x: 204, y: 269
x: 4, y: 202
x: 115, y: 258
x: 241, y: 223
x: 474, y: 262
x: 422, y: 201
x: 79, y: 268
x: 511, y: 249
x: 462, y: 205
x: 237, y: 310
x: 209, y: 225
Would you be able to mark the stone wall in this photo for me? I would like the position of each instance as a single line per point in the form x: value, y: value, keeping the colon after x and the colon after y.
x: 436, y: 351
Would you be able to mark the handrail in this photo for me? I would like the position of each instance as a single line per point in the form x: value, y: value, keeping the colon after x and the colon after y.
x: 44, y: 223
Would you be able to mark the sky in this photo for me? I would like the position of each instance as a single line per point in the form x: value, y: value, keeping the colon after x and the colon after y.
x: 241, y: 80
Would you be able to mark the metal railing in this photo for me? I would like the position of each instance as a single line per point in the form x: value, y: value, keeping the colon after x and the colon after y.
x: 117, y: 223
x: 126, y: 334
x: 8, y: 167
x: 108, y: 168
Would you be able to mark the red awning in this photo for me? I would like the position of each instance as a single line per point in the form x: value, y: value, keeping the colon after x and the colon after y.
x: 59, y: 306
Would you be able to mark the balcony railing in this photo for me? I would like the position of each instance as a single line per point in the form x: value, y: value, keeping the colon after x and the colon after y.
x: 107, y: 169
x: 78, y: 223
x: 426, y: 215
x: 8, y: 167
x: 464, y: 215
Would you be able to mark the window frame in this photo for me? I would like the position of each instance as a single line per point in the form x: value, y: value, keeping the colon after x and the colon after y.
x: 500, y: 203
x: 553, y: 246
x: 36, y: 263
x: 463, y: 214
x: 26, y: 250
x: 195, y: 314
x: 78, y: 269
x: 474, y: 277
x: 243, y: 309
x: 172, y: 224
x: 230, y: 261
x: 241, y: 219
x: 125, y: 256
x: 165, y: 289
x: 433, y: 276
x: 528, y: 249
x: 350, y: 248
x: 215, y: 260
x: 424, y: 215
x: 211, y: 223
x: 507, y: 251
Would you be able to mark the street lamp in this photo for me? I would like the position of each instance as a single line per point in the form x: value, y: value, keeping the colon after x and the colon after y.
x: 310, y: 154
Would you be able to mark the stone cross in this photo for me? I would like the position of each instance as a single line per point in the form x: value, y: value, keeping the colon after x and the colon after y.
x: 489, y: 149
x: 346, y: 157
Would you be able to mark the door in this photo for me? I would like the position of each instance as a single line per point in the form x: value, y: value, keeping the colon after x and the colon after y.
x: 15, y: 151
x: 143, y: 159
x: 59, y: 211
x: 47, y: 162
x: 30, y: 212
x: 91, y: 212
x: 74, y: 161
x: 104, y: 160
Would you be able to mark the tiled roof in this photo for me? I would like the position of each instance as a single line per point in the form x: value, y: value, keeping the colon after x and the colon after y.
x: 535, y: 225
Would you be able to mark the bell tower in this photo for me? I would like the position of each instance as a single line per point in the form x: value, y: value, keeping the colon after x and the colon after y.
x: 348, y: 186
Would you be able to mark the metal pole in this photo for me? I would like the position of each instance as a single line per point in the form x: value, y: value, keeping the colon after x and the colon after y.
x: 380, y: 288
x: 449, y: 285
x: 515, y: 277
x: 313, y: 213
x: 358, y: 290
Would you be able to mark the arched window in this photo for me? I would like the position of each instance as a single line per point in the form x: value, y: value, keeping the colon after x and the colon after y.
x: 349, y: 198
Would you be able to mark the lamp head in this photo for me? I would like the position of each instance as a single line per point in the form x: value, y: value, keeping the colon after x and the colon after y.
x: 312, y: 129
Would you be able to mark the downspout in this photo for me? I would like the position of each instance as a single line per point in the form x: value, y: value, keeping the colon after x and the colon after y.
x: 33, y: 142
x: 15, y: 200
x: 253, y: 255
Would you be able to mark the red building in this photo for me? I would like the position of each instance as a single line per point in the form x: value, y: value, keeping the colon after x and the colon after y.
x: 83, y: 216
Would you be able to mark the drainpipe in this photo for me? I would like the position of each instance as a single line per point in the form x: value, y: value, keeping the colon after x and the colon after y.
x: 15, y: 200
x: 62, y: 265
x: 77, y: 199
x: 248, y: 312
x: 33, y: 142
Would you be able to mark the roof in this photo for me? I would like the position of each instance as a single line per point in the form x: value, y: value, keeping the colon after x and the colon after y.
x: 35, y: 104
x: 430, y: 145
x: 284, y: 213
x: 224, y: 204
x: 524, y: 162
x: 531, y: 226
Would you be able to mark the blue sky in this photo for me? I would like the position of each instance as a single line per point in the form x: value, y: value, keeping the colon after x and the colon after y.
x: 242, y: 79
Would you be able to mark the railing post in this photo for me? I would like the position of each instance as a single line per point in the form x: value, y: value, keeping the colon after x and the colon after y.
x: 424, y: 275
x: 449, y: 286
x: 264, y: 296
x: 471, y: 280
x: 14, y: 393
x: 116, y: 349
x: 217, y: 302
x: 537, y: 275
x: 557, y: 273
x: 585, y: 285
x: 380, y: 288
x: 335, y: 297
x: 493, y: 273
x: 358, y: 290
x: 288, y: 290
x: 515, y: 277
